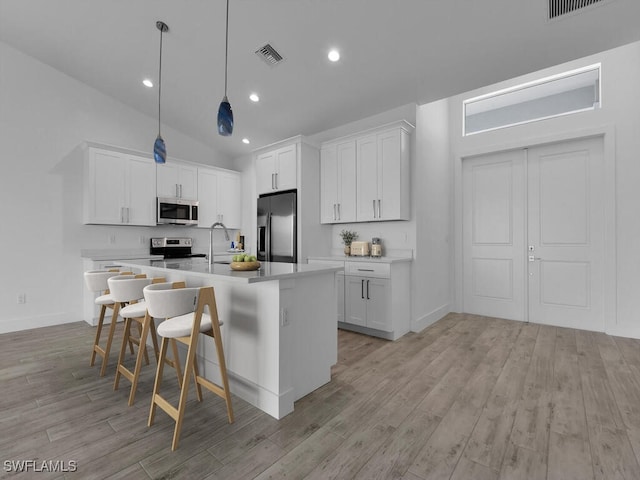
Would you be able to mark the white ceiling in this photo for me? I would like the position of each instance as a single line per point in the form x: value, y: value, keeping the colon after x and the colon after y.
x: 394, y: 52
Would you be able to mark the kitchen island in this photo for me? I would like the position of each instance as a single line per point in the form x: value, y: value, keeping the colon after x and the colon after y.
x: 279, y: 332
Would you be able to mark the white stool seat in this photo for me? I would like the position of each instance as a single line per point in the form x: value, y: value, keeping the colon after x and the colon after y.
x: 181, y: 326
x: 134, y: 310
x: 104, y: 300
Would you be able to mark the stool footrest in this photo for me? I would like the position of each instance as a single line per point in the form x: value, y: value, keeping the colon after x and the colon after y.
x: 212, y: 387
x: 166, y: 406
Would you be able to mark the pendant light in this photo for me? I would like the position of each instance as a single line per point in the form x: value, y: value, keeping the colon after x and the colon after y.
x: 225, y: 114
x: 159, y: 148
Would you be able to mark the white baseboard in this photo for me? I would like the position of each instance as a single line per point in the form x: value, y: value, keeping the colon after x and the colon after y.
x: 430, y: 318
x: 28, y: 323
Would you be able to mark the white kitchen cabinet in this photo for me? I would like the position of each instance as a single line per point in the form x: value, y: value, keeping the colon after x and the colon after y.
x: 219, y: 197
x: 119, y: 188
x: 177, y: 180
x: 276, y: 170
x: 338, y: 182
x: 382, y: 173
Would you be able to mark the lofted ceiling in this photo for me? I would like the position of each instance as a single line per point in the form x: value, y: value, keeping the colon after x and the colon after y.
x: 393, y: 52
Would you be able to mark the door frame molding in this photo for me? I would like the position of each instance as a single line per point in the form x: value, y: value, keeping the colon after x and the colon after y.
x: 607, y: 132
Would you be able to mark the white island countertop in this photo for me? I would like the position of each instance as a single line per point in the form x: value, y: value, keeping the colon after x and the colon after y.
x: 268, y: 271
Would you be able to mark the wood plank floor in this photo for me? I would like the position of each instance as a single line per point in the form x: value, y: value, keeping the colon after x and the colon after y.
x: 468, y: 398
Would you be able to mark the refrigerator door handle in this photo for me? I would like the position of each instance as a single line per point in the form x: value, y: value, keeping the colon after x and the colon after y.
x: 268, y: 239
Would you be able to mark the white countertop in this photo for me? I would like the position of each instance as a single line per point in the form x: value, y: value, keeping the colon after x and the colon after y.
x: 199, y: 266
x: 351, y: 258
x: 116, y: 254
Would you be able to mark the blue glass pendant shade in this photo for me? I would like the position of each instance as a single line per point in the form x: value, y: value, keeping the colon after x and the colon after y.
x: 225, y: 118
x: 159, y: 150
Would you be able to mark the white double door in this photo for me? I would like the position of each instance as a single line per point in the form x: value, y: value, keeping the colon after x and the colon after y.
x: 533, y: 234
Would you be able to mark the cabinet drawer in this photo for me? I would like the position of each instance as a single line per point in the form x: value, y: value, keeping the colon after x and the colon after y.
x: 368, y: 269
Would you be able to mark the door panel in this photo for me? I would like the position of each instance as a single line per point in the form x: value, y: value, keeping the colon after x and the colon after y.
x: 493, y: 233
x: 565, y: 229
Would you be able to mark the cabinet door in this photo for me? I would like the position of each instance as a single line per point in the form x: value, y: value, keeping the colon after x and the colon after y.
x: 346, y: 182
x: 141, y: 191
x: 355, y: 300
x: 230, y: 199
x: 377, y: 295
x: 286, y: 168
x: 265, y: 172
x: 167, y: 180
x: 329, y: 179
x: 188, y: 182
x: 104, y: 187
x: 367, y: 178
x: 208, y: 199
x: 389, y: 175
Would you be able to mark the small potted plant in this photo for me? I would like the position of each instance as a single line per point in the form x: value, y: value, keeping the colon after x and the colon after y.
x: 348, y: 237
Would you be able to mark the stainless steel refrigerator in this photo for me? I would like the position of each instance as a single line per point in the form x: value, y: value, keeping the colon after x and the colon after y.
x: 277, y: 227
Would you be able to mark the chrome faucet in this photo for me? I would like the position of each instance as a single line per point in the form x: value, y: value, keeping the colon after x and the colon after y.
x: 226, y: 236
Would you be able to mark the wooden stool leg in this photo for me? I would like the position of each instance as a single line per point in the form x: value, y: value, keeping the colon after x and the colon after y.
x: 123, y: 350
x: 142, y: 352
x: 141, y: 344
x: 223, y: 372
x: 112, y: 329
x: 188, y: 368
x: 156, y: 385
x: 96, y: 342
x: 176, y: 360
x: 154, y: 337
x: 196, y: 375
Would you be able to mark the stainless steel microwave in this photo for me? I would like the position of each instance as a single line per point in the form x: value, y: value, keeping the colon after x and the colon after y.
x: 177, y: 211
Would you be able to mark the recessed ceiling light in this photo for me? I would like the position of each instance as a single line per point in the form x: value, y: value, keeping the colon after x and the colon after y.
x: 334, y: 55
x: 254, y: 97
x: 246, y: 141
x: 147, y: 83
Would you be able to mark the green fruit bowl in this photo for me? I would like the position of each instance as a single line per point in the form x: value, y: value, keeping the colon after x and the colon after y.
x: 244, y: 266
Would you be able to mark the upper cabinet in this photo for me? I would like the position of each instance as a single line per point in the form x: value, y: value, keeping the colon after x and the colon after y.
x: 119, y: 188
x: 338, y: 182
x: 365, y: 177
x: 219, y: 197
x: 276, y: 170
x: 177, y: 180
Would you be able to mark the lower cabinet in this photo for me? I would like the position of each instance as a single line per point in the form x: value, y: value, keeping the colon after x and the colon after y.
x: 367, y: 303
x: 373, y: 297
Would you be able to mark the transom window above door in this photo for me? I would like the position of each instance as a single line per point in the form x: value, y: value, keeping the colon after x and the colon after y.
x: 563, y: 94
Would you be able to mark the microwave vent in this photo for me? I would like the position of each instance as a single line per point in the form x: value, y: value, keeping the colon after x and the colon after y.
x: 558, y: 8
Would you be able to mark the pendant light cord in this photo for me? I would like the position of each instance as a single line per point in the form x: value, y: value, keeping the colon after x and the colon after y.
x: 160, y: 79
x: 226, y: 50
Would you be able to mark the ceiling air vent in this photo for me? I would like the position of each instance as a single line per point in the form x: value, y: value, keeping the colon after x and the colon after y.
x: 558, y: 8
x: 269, y: 55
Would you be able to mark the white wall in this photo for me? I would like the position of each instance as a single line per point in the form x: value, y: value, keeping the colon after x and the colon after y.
x: 44, y: 116
x: 619, y: 121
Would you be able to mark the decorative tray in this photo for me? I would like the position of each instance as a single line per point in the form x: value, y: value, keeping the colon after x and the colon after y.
x: 244, y: 266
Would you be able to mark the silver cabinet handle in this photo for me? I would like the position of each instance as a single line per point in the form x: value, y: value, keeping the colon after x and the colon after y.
x: 276, y: 180
x: 366, y: 270
x: 379, y: 209
x: 374, y: 209
x: 128, y: 215
x: 368, y: 290
x: 273, y: 185
x: 334, y: 211
x: 180, y: 190
x: 339, y: 214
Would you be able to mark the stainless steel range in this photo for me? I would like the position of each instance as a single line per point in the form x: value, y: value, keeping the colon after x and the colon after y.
x: 173, y: 247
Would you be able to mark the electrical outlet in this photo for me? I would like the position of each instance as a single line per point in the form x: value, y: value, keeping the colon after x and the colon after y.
x: 284, y: 317
x: 22, y: 298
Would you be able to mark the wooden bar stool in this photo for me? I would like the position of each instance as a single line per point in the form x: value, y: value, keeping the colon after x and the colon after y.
x: 97, y: 282
x: 184, y: 310
x: 129, y: 290
x: 114, y: 319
